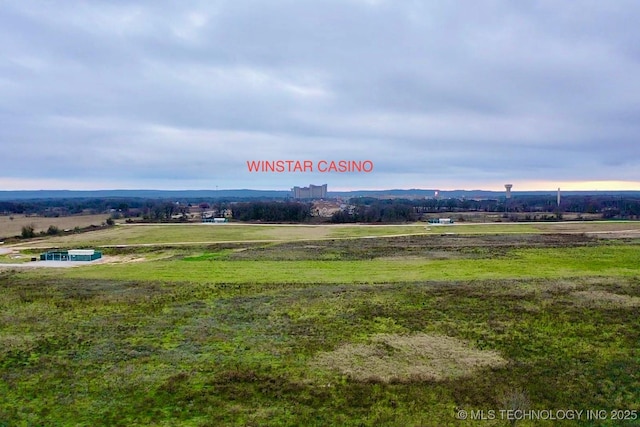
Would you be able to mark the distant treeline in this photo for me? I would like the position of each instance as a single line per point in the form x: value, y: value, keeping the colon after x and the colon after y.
x: 65, y: 207
x: 367, y: 209
x: 361, y: 209
x: 376, y: 210
x: 272, y: 211
x: 147, y: 208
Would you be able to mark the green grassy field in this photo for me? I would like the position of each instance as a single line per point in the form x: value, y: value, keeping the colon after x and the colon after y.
x: 407, y: 331
x: 612, y: 260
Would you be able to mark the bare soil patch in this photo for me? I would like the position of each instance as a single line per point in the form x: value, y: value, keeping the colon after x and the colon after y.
x: 404, y: 358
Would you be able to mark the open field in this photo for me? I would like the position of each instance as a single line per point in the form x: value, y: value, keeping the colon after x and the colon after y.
x: 152, y: 234
x: 405, y: 330
x: 190, y: 234
x: 13, y: 227
x: 220, y: 267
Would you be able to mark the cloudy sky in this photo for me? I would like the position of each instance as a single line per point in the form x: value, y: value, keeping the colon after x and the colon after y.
x: 436, y: 94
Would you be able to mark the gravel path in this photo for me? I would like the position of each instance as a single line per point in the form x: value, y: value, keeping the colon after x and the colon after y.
x: 50, y: 264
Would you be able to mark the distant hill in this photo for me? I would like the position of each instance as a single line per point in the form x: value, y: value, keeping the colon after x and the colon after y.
x: 144, y: 194
x: 280, y: 194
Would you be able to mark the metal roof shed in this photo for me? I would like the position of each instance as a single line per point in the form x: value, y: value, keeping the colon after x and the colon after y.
x: 72, y: 255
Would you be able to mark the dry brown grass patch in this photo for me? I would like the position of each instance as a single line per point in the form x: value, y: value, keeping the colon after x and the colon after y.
x: 405, y: 358
x: 13, y: 227
x: 122, y: 259
x: 9, y: 343
x: 605, y: 299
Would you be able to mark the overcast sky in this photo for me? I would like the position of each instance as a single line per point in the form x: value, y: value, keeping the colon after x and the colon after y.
x: 437, y: 94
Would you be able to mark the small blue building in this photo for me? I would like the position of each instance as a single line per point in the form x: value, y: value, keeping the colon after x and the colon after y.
x: 71, y: 255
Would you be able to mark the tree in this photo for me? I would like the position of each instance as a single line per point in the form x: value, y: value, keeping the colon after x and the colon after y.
x: 28, y: 231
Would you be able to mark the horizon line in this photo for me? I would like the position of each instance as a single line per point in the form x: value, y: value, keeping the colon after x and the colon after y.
x: 214, y: 190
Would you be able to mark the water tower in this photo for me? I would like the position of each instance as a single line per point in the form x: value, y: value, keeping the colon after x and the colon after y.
x: 508, y: 188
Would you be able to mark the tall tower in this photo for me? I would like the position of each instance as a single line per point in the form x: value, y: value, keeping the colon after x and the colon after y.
x: 558, y: 196
x: 508, y: 188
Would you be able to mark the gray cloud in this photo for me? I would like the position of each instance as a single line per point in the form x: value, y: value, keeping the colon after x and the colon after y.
x: 165, y: 95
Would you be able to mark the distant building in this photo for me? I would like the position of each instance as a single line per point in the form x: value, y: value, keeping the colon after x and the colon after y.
x: 508, y: 188
x: 71, y: 255
x: 215, y: 220
x: 440, y: 221
x: 310, y: 192
x: 210, y: 214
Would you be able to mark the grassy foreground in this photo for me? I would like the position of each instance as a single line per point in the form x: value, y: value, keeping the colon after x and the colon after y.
x: 381, y: 332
